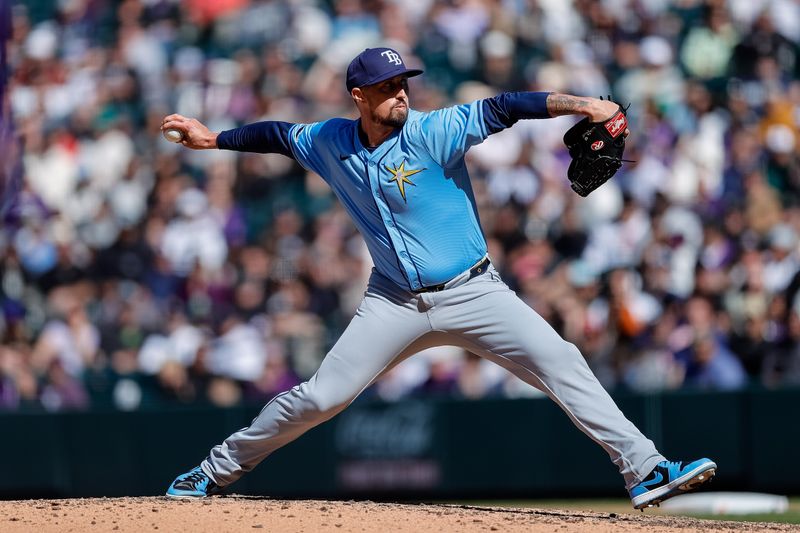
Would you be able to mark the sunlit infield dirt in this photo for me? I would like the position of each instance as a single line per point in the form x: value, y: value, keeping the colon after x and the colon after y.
x: 238, y: 513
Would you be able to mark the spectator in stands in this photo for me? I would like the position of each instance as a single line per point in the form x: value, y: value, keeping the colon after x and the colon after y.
x: 708, y: 363
x: 72, y: 342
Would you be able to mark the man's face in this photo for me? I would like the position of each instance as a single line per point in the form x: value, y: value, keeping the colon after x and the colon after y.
x: 387, y: 101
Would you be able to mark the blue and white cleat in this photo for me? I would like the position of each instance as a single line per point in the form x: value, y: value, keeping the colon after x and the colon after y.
x: 193, y: 484
x: 670, y: 479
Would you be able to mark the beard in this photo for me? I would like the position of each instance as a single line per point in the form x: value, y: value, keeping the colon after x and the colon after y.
x: 396, y: 119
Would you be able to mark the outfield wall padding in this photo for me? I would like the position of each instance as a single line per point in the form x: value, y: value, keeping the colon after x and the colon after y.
x: 426, y: 448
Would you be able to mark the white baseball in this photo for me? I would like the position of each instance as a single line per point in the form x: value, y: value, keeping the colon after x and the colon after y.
x: 173, y: 135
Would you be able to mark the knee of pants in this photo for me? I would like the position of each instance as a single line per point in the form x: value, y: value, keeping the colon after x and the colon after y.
x: 323, y: 404
x: 561, y: 354
x: 574, y: 354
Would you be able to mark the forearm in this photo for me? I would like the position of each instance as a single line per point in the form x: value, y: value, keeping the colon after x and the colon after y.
x: 505, y: 109
x: 565, y: 104
x: 261, y: 137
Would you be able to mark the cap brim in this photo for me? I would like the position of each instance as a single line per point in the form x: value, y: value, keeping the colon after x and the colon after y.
x: 408, y: 72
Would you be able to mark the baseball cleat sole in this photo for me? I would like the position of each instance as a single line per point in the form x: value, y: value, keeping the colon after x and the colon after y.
x: 185, y: 496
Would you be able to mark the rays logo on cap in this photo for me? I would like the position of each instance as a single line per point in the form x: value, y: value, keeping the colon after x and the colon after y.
x: 375, y: 65
x: 392, y: 57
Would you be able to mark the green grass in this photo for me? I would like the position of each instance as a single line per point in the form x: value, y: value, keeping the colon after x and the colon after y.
x: 622, y: 506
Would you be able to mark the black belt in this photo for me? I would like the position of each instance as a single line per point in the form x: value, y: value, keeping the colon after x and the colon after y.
x: 477, y: 270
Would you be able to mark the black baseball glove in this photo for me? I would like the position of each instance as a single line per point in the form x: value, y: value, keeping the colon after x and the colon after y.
x: 596, y: 150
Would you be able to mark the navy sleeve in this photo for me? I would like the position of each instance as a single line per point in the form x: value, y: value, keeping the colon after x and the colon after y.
x: 268, y: 137
x: 504, y: 110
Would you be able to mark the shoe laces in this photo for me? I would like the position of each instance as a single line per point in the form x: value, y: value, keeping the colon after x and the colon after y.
x: 197, y: 476
x: 670, y: 464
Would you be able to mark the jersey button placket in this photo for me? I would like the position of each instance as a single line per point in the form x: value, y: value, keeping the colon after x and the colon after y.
x: 375, y: 190
x: 373, y: 181
x: 384, y: 210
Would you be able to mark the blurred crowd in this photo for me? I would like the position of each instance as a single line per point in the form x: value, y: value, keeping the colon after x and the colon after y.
x: 135, y: 272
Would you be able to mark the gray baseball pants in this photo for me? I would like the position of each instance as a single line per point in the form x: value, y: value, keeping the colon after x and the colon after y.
x: 481, y: 315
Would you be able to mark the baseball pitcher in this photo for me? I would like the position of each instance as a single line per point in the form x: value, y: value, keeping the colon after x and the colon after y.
x: 401, y: 176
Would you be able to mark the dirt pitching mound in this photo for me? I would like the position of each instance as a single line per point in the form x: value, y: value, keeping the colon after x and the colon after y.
x: 239, y: 513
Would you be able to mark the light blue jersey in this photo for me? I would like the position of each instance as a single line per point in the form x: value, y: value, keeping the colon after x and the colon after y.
x: 411, y: 197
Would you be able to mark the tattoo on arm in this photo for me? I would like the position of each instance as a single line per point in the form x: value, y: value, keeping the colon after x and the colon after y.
x: 565, y: 104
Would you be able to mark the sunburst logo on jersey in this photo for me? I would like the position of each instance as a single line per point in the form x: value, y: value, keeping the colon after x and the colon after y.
x: 401, y: 177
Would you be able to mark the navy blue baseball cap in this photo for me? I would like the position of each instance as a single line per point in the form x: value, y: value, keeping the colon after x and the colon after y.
x: 375, y: 65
